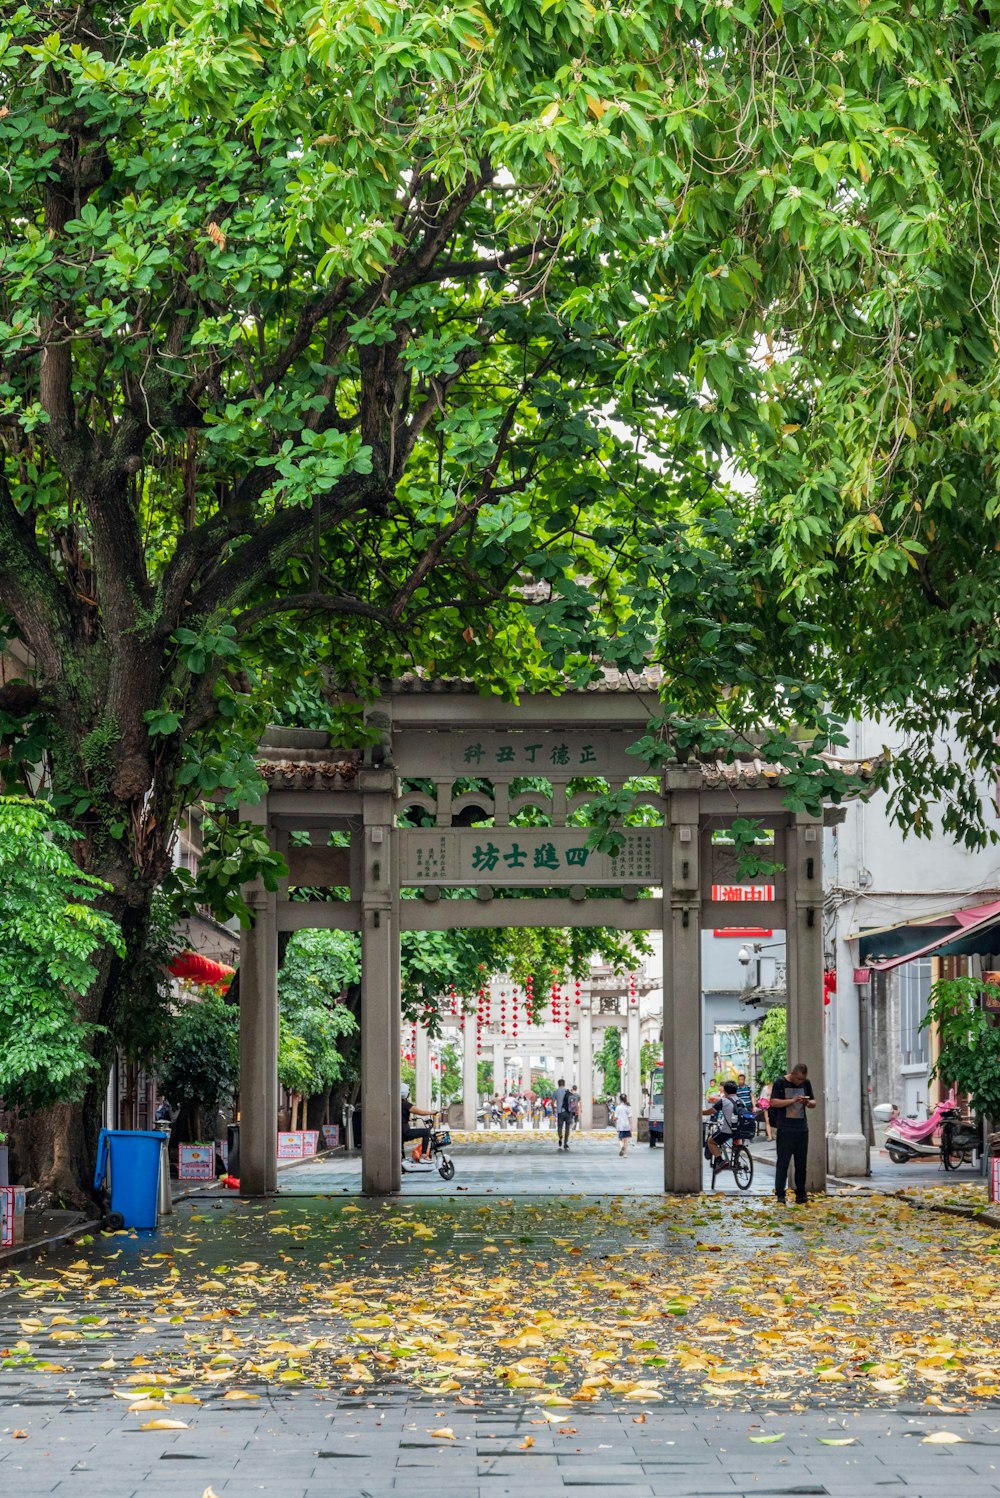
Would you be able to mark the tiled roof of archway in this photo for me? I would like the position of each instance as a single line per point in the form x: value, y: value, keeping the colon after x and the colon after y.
x: 650, y: 679
x: 283, y: 772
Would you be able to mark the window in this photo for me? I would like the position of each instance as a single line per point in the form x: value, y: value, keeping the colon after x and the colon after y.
x: 914, y: 991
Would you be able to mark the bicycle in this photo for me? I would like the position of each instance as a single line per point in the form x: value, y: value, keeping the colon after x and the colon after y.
x: 959, y: 1139
x: 735, y: 1156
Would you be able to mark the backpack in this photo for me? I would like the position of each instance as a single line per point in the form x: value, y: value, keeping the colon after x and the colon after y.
x: 746, y: 1124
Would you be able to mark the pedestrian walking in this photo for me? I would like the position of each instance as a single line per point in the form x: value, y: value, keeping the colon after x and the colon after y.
x: 791, y: 1095
x: 561, y: 1111
x: 564, y: 1114
x: 763, y: 1107
x: 623, y: 1123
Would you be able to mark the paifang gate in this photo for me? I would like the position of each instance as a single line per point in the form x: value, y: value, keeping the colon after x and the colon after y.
x: 435, y: 737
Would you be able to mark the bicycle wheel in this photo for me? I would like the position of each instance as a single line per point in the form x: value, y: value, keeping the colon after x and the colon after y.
x: 742, y: 1166
x: 717, y: 1165
x: 952, y: 1156
x: 446, y: 1169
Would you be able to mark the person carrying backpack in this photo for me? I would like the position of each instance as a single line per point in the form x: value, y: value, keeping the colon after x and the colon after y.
x: 728, y: 1111
x: 565, y: 1097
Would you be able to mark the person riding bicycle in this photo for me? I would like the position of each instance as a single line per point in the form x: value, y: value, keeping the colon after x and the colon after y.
x: 726, y: 1110
x: 424, y: 1135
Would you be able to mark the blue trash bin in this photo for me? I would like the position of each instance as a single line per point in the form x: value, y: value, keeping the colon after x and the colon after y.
x: 134, y: 1157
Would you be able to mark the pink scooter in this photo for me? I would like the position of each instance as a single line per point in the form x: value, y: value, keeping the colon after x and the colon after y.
x: 911, y: 1139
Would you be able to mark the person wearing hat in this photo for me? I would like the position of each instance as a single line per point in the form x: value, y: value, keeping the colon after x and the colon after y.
x: 424, y: 1135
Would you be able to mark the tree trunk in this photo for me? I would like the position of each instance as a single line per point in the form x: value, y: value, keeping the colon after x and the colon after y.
x: 51, y: 1150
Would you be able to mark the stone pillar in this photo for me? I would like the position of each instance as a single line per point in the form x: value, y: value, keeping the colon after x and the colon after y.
x: 423, y: 1085
x: 470, y: 1073
x: 499, y: 1068
x: 585, y: 1081
x: 682, y: 1148
x: 259, y: 1047
x: 849, y: 1071
x: 381, y: 1117
x: 804, y: 938
x: 633, y: 1055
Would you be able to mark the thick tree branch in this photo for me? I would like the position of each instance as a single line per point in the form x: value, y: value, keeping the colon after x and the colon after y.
x: 455, y: 270
x: 411, y: 432
x: 271, y: 543
x: 465, y: 512
x: 308, y: 322
x: 319, y: 603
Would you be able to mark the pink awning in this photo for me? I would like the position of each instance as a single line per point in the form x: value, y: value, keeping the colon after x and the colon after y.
x: 964, y: 923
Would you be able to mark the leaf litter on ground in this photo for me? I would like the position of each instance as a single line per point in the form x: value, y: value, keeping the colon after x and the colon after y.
x: 580, y: 1301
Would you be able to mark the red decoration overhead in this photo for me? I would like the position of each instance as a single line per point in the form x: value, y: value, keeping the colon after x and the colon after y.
x: 199, y: 969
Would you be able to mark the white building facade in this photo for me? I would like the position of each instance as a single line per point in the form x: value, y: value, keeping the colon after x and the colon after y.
x: 882, y: 891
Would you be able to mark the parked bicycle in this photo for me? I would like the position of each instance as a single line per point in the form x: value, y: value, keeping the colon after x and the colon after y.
x: 960, y: 1138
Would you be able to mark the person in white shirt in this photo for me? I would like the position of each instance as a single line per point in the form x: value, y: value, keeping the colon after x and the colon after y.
x: 623, y: 1123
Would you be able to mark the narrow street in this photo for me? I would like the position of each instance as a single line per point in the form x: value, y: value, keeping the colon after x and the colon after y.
x: 516, y: 1163
x: 694, y: 1346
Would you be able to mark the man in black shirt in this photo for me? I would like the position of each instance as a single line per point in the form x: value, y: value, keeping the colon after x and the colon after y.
x: 791, y: 1095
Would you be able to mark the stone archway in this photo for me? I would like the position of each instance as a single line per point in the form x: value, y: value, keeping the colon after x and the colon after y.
x: 430, y: 739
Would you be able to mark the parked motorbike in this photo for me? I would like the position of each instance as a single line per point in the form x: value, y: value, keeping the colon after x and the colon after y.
x: 914, y: 1139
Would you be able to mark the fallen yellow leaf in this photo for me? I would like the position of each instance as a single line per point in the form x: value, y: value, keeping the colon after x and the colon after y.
x: 164, y: 1425
x: 444, y: 1434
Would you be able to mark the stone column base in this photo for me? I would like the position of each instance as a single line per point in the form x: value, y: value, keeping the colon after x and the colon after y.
x: 847, y: 1155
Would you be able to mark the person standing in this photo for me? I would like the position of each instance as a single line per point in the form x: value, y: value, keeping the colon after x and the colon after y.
x: 564, y: 1114
x: 791, y: 1095
x: 623, y: 1123
x: 743, y: 1092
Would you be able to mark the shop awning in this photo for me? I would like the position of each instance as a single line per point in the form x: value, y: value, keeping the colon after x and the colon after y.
x: 199, y: 969
x: 969, y: 931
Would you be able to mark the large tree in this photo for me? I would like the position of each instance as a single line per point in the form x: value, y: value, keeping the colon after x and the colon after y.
x: 366, y: 318
x: 856, y: 566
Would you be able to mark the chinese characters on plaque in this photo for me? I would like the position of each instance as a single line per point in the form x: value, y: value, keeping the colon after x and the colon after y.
x: 524, y: 856
x: 561, y: 756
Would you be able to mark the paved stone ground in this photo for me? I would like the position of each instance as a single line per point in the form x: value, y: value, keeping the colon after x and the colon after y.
x: 307, y: 1446
x: 513, y: 1164
x: 63, y: 1431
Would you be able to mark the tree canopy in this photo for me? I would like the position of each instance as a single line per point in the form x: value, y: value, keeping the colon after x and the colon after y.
x: 500, y: 339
